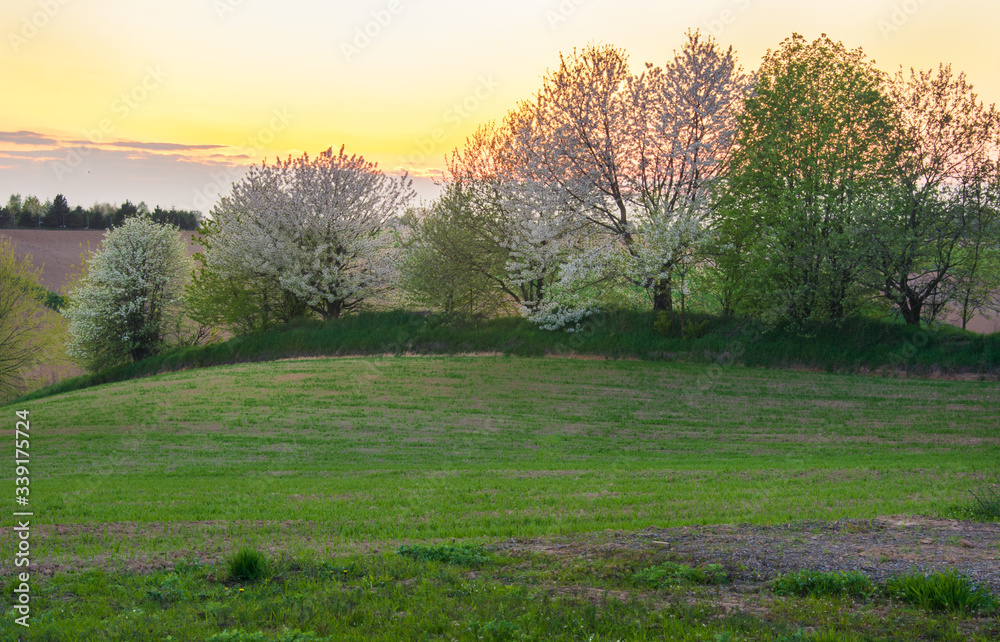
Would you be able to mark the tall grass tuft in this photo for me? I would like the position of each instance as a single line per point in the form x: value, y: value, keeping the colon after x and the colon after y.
x: 942, y: 591
x: 248, y: 565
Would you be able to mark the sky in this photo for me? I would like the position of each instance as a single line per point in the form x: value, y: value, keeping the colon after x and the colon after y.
x: 169, y: 101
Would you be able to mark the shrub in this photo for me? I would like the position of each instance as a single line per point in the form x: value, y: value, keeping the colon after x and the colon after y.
x: 664, y: 324
x: 820, y: 584
x: 947, y: 591
x: 695, y: 330
x: 672, y: 574
x: 248, y: 565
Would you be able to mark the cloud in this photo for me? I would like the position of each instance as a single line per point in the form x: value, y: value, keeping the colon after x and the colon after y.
x: 172, y: 147
x: 27, y: 138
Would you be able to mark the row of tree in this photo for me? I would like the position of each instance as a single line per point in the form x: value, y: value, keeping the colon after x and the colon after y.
x: 30, y: 212
x: 815, y: 188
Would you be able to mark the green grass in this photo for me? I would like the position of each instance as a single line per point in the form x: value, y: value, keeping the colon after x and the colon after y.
x: 393, y: 597
x: 824, y: 584
x: 943, y: 591
x: 853, y: 345
x: 335, y: 464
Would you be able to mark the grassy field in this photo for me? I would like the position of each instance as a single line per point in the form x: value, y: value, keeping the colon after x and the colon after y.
x: 141, y: 489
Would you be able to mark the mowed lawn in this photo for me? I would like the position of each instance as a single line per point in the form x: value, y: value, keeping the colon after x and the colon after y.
x: 338, y: 456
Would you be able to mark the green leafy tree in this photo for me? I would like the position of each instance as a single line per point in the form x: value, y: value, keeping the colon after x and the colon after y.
x: 32, y: 211
x: 449, y: 262
x: 810, y: 156
x: 56, y: 215
x: 236, y: 299
x: 131, y: 296
x: 25, y: 330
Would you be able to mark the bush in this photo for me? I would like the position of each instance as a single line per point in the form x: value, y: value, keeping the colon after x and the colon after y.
x: 664, y: 324
x: 248, y: 565
x: 695, y: 330
x: 820, y: 584
x: 947, y: 591
x: 672, y: 574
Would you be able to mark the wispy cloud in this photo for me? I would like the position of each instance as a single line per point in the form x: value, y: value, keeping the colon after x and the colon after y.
x: 166, y: 147
x: 27, y: 138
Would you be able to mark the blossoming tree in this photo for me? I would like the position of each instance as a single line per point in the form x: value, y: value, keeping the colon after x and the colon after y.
x: 314, y: 229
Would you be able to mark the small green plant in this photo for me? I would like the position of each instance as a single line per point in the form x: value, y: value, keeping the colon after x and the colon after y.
x: 495, y: 630
x: 168, y: 591
x: 248, y: 565
x: 461, y: 555
x: 694, y: 330
x: 664, y: 324
x: 822, y: 584
x: 942, y: 591
x: 672, y: 574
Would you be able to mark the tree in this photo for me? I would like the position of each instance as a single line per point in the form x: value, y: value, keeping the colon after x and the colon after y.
x: 57, y: 214
x: 810, y: 157
x: 123, y: 213
x: 236, y: 295
x: 130, y: 297
x: 688, y: 110
x: 449, y: 260
x: 315, y: 227
x: 629, y: 156
x: 24, y: 329
x: 918, y: 240
x: 31, y: 212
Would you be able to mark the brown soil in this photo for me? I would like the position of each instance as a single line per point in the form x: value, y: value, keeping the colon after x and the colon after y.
x: 60, y: 252
x: 880, y: 548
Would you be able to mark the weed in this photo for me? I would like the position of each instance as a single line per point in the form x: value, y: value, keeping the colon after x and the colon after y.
x: 248, y: 565
x: 461, y: 555
x: 672, y: 574
x: 986, y: 498
x: 942, y: 591
x: 822, y: 584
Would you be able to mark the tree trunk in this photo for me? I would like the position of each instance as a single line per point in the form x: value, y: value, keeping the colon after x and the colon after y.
x: 662, y: 298
x: 911, y: 311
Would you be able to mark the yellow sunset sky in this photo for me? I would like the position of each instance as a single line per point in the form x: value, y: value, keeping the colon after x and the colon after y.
x: 167, y: 101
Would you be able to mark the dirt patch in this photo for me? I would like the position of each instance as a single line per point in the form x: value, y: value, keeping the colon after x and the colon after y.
x: 880, y: 548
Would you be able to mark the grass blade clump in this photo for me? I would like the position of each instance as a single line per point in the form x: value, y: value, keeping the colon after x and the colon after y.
x: 807, y: 583
x: 248, y: 565
x: 943, y: 591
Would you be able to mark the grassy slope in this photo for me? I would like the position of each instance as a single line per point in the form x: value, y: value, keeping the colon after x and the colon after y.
x: 329, y: 461
x: 852, y: 345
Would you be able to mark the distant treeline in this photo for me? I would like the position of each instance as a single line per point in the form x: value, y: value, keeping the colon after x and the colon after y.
x: 30, y: 212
